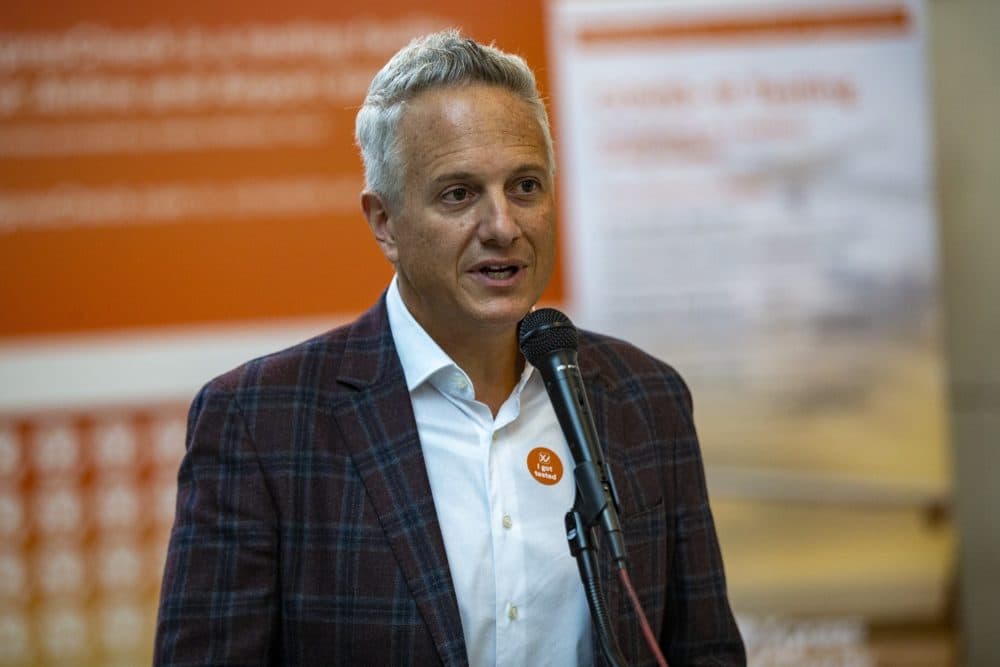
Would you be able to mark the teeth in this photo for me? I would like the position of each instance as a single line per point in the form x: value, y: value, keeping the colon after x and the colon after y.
x: 498, y: 271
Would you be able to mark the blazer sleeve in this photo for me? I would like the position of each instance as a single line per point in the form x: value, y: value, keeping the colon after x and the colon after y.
x: 218, y: 602
x: 699, y: 627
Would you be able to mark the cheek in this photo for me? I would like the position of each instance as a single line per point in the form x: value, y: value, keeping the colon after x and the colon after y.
x: 443, y: 241
x: 545, y: 239
x: 425, y: 250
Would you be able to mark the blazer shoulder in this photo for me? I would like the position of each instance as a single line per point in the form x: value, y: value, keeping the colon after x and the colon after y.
x: 316, y: 361
x: 283, y: 366
x: 621, y: 359
x: 626, y: 368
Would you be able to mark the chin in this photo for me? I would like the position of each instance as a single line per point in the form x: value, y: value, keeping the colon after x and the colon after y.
x: 504, y: 317
x: 499, y: 311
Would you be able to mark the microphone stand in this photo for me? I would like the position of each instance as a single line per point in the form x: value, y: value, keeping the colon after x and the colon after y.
x: 581, y: 545
x: 591, y: 505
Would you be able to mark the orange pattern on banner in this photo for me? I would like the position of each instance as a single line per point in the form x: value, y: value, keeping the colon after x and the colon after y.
x: 545, y: 466
x: 852, y: 21
x: 195, y: 163
x: 86, y: 505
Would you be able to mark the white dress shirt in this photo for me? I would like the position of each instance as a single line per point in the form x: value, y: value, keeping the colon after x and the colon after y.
x: 500, y: 506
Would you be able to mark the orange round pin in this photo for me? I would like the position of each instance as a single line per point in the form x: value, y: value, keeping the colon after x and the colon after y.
x: 545, y: 466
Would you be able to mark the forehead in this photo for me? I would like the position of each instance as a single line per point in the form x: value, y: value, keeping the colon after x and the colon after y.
x: 475, y: 127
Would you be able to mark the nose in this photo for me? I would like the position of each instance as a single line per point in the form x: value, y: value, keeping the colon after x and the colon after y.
x: 498, y: 224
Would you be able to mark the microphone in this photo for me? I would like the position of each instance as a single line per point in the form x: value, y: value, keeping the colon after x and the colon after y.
x: 548, y: 341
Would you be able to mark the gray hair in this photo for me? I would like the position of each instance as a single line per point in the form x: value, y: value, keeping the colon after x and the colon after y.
x: 438, y: 60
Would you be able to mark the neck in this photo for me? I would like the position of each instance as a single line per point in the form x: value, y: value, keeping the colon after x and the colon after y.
x: 492, y: 361
x: 493, y: 366
x: 487, y: 351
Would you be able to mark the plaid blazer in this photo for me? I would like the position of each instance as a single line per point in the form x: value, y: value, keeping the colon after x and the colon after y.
x: 306, y: 534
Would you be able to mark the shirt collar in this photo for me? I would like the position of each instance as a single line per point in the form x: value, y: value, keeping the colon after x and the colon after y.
x: 420, y: 356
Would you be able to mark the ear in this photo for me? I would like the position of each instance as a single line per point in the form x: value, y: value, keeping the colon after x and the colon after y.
x: 378, y: 216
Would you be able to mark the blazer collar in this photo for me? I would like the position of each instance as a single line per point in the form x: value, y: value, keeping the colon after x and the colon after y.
x: 369, y: 355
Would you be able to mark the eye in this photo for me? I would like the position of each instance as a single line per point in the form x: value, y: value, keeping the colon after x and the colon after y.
x: 527, y: 186
x: 456, y: 195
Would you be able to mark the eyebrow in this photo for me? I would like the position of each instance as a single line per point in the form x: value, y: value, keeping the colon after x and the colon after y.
x: 452, y: 176
x: 522, y: 168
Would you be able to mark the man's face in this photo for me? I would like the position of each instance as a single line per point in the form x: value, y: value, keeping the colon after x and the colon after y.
x: 473, y: 239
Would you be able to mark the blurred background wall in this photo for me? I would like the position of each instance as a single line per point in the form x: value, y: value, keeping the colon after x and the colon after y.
x: 178, y: 194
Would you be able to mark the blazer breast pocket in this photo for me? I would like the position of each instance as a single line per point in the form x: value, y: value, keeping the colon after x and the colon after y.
x: 648, y: 540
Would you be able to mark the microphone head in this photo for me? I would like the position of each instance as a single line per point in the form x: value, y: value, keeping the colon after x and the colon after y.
x: 543, y: 332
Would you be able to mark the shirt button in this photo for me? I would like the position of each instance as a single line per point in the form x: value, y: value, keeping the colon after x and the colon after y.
x: 495, y: 436
x: 507, y: 521
x: 512, y: 613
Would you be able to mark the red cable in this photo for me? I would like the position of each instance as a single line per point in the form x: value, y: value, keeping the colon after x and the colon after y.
x: 647, y: 632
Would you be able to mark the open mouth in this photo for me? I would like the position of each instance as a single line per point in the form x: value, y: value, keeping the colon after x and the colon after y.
x: 500, y: 271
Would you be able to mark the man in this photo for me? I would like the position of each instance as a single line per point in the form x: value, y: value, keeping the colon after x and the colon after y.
x: 373, y: 496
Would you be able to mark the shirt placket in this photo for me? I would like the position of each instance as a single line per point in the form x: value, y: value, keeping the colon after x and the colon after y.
x: 508, y: 541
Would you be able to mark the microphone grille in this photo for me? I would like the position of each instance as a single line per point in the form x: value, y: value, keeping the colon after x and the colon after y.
x: 544, y: 331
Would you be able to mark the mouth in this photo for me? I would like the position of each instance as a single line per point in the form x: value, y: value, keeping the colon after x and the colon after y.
x: 499, y: 271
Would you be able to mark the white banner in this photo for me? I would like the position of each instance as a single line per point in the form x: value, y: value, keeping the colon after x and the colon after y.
x: 748, y: 194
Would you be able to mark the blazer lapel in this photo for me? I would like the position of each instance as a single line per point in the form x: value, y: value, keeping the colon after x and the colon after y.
x: 380, y: 433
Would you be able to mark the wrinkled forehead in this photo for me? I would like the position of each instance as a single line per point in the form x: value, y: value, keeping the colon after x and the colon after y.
x: 446, y: 121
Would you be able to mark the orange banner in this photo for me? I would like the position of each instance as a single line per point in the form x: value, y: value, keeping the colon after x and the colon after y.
x: 196, y: 164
